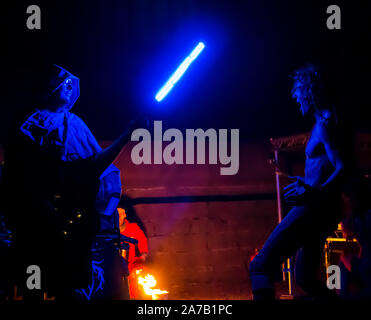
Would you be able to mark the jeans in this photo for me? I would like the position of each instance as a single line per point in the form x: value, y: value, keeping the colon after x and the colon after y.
x: 303, y: 230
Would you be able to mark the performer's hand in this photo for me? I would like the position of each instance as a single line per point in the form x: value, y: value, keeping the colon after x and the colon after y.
x: 292, y: 186
x: 298, y: 193
x: 143, y: 257
x: 137, y: 263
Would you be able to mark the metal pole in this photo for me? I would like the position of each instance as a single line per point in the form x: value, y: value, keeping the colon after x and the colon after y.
x: 277, y: 173
x: 279, y: 209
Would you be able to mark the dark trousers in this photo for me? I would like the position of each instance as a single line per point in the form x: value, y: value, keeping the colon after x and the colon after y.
x: 303, y: 231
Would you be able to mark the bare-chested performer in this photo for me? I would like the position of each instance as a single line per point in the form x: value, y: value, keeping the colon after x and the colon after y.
x: 315, y: 198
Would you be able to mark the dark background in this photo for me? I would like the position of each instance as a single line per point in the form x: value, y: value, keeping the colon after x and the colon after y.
x: 124, y: 51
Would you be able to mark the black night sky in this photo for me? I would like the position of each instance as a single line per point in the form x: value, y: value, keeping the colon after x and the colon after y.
x: 123, y: 52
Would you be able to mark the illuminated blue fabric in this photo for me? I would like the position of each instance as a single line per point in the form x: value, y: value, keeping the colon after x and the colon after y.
x: 66, y: 132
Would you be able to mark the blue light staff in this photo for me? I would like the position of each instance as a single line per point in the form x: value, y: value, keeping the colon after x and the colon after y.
x: 161, y: 94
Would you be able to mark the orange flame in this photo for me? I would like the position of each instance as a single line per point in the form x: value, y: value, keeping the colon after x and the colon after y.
x: 149, y: 282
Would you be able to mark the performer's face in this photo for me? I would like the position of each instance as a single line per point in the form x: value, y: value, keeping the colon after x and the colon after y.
x: 65, y: 91
x: 62, y: 96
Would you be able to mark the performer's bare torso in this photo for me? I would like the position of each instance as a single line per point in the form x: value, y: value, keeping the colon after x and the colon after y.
x: 318, y: 167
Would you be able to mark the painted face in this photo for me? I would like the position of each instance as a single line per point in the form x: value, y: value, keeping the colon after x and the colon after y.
x: 65, y: 90
x: 61, y: 97
x: 122, y: 215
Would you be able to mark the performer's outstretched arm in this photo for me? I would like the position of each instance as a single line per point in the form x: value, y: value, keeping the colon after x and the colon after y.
x: 104, y: 158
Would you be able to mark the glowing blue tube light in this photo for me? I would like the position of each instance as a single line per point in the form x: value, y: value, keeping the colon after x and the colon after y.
x: 161, y: 94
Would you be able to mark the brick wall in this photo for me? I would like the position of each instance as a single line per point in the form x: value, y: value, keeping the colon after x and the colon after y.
x: 201, y: 249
